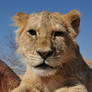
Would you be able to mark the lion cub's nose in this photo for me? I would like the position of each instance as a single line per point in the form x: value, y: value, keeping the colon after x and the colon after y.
x: 45, y: 54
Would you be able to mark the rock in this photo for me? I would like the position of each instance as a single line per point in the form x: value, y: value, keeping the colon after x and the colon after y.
x: 8, y: 79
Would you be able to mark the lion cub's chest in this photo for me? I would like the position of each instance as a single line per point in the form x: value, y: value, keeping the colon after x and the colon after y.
x: 51, y: 86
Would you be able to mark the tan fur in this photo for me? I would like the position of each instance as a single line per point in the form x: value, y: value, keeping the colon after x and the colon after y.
x: 69, y: 73
x: 89, y: 63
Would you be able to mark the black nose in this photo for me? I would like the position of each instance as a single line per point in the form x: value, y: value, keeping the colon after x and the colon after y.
x: 45, y: 54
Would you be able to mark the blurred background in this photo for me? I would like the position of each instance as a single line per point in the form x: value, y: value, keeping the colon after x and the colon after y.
x: 9, y: 8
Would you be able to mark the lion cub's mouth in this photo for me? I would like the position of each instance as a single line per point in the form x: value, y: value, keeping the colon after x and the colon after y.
x: 43, y: 66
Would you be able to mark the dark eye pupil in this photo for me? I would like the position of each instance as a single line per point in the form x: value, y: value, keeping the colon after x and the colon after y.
x: 32, y: 32
x: 59, y: 34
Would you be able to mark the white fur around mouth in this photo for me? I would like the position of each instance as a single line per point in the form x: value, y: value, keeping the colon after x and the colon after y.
x: 44, y: 70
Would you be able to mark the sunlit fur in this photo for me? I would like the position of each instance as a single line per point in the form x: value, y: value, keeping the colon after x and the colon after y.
x: 69, y: 72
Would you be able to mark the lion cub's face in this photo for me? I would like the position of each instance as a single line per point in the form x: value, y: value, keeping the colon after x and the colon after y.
x: 46, y: 39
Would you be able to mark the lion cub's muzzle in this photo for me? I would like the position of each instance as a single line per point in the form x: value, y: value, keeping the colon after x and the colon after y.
x: 44, y: 55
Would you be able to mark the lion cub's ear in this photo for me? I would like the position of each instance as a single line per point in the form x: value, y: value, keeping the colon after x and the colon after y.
x: 73, y: 18
x: 20, y: 19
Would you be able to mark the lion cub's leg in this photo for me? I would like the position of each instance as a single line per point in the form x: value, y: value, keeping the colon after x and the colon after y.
x: 29, y: 83
x: 27, y: 88
x: 77, y: 88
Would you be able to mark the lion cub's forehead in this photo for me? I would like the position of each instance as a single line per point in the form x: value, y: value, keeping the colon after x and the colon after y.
x: 45, y: 19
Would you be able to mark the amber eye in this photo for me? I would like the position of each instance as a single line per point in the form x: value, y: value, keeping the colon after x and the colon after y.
x: 58, y: 33
x: 32, y: 32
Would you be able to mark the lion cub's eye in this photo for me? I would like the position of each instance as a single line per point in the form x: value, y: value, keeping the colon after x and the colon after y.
x: 32, y: 32
x: 58, y: 33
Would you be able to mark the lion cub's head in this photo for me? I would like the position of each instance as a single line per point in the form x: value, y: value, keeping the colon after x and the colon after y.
x: 47, y: 39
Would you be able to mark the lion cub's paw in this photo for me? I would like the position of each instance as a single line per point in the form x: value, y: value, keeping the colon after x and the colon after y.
x: 78, y: 88
x: 28, y: 88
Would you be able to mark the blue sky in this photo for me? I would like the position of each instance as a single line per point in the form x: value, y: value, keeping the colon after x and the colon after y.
x: 9, y: 8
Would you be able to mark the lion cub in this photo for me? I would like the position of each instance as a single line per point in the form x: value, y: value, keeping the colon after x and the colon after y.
x: 47, y: 43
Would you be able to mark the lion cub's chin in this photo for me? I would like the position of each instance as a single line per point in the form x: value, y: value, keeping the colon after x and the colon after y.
x: 44, y: 72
